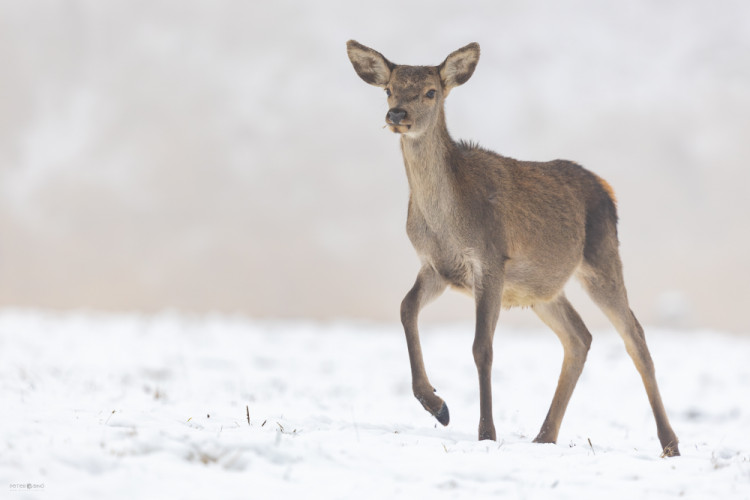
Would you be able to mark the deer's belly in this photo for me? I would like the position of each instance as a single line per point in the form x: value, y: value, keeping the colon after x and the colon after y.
x: 524, y: 284
x: 524, y: 293
x: 528, y: 283
x: 522, y: 296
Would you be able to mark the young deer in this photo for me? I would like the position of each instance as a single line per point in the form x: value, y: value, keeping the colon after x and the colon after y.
x: 509, y: 233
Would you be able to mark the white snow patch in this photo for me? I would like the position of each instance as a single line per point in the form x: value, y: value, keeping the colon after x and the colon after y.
x: 135, y: 406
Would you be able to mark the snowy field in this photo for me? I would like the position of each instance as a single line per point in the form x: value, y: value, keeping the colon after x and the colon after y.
x: 129, y: 406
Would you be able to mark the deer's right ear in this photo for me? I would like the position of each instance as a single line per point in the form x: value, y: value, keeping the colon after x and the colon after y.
x: 369, y: 64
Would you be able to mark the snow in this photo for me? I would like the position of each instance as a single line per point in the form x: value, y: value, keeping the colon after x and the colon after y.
x: 135, y: 406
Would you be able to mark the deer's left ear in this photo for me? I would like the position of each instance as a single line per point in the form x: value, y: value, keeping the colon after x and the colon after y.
x: 369, y: 64
x: 459, y: 66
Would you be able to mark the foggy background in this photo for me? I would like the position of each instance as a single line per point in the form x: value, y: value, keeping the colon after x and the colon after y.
x: 224, y: 156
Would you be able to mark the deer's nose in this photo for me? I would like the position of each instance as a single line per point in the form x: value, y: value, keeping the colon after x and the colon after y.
x: 395, y: 115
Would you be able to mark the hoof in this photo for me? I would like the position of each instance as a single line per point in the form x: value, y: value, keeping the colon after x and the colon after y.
x: 435, y: 406
x: 546, y: 435
x: 544, y: 439
x: 443, y: 416
x: 487, y: 435
x: 670, y: 451
x: 487, y: 430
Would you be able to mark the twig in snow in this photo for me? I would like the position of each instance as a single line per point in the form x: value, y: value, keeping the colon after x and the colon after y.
x: 592, y: 446
x: 247, y: 412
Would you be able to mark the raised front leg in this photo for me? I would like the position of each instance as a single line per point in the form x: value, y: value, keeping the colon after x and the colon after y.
x: 487, y: 296
x: 428, y: 286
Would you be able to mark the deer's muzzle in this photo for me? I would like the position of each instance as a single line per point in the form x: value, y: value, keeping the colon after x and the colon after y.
x: 395, y: 115
x: 396, y: 120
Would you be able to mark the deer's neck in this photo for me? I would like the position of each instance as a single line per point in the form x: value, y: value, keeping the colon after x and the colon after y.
x: 430, y: 171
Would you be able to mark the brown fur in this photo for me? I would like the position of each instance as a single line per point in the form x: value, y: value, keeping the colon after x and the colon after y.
x: 610, y: 191
x: 508, y: 232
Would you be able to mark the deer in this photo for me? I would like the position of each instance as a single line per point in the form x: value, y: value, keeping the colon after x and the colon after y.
x: 508, y: 233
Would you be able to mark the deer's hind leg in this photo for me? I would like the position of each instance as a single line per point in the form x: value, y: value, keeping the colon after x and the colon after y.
x: 562, y: 319
x: 428, y: 286
x: 601, y: 276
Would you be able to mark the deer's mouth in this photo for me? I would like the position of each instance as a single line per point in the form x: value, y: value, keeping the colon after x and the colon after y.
x: 401, y: 128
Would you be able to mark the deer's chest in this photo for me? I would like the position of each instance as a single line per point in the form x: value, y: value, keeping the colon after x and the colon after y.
x: 438, y: 243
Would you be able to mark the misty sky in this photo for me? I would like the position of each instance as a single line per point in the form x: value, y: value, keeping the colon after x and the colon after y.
x: 223, y: 156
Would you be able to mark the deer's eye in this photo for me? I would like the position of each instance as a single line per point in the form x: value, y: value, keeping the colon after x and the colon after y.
x: 388, y: 92
x: 430, y: 94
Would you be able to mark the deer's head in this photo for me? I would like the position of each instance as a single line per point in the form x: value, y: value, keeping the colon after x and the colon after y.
x: 415, y: 93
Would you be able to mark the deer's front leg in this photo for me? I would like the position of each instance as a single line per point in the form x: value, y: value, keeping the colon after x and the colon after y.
x: 487, y: 296
x: 428, y: 286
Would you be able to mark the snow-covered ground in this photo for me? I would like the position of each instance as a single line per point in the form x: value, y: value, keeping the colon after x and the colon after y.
x: 130, y: 406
